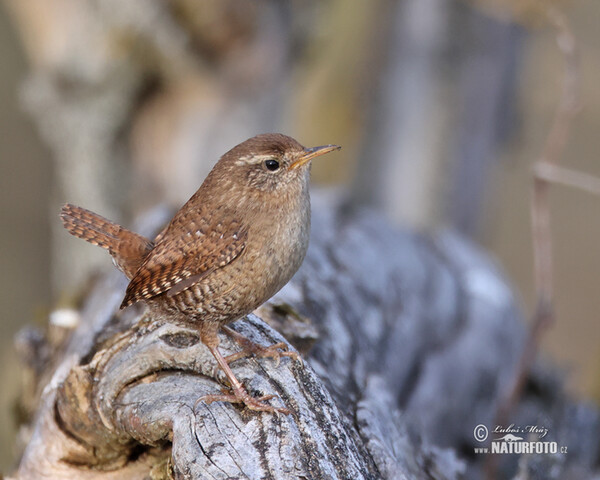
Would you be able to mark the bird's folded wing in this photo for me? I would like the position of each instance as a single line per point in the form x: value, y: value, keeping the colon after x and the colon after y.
x: 183, y: 258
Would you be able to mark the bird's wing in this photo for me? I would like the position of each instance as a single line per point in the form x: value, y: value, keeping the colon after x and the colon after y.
x: 179, y: 260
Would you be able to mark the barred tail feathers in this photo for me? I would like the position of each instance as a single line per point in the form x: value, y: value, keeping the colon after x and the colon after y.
x: 90, y: 226
x: 128, y: 248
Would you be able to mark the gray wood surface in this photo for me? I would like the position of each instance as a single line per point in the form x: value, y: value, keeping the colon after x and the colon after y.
x: 408, y: 342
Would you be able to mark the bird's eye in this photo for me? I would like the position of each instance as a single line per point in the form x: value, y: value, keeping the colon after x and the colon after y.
x: 272, y: 165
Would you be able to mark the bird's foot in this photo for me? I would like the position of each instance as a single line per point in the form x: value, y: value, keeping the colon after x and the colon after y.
x: 242, y: 396
x: 275, y: 351
x: 249, y: 348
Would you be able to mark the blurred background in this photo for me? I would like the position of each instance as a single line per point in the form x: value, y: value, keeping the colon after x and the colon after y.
x: 441, y: 107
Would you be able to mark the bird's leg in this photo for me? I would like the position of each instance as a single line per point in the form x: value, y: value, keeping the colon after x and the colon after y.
x: 249, y: 347
x: 238, y: 394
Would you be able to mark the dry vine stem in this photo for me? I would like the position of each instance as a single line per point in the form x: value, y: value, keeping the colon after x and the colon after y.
x: 546, y: 171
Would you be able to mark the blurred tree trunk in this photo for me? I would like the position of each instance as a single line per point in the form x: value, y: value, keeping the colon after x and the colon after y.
x: 488, y: 50
x: 406, y: 115
x: 423, y: 163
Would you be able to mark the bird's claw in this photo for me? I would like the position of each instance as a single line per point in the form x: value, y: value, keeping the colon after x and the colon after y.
x: 275, y: 351
x: 252, y: 403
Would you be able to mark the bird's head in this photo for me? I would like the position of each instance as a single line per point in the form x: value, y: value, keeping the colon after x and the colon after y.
x: 269, y: 162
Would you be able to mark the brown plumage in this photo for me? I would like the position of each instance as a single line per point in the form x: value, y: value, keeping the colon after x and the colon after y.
x: 231, y: 247
x: 127, y: 248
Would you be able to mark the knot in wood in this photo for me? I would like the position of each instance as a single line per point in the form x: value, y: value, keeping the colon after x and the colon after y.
x: 180, y: 339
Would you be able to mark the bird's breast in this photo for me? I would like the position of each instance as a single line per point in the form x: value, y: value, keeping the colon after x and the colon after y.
x: 279, y: 246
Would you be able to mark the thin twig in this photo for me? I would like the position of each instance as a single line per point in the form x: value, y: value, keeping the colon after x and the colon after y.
x: 555, y: 143
x: 546, y: 170
x: 549, y: 172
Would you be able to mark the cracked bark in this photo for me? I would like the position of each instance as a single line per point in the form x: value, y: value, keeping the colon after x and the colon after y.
x: 400, y: 333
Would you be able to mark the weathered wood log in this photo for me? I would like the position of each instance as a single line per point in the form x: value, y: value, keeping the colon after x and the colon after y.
x: 408, y: 343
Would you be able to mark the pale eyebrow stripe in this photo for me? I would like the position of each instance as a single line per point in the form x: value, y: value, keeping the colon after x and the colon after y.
x: 253, y: 159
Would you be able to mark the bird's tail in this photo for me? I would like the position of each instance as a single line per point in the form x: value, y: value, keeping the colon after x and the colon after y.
x: 90, y: 227
x: 128, y: 248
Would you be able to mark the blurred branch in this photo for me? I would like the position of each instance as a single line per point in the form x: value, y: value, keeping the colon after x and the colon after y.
x: 546, y: 171
x: 551, y: 173
x: 555, y: 143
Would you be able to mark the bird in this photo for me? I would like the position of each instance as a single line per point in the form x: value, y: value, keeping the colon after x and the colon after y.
x: 234, y: 244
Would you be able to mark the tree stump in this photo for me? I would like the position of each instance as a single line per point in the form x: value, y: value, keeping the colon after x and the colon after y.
x: 408, y: 341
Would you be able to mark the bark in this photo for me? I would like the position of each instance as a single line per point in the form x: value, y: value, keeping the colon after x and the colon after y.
x: 408, y: 341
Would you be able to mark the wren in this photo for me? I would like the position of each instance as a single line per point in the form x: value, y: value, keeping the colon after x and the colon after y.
x: 231, y: 247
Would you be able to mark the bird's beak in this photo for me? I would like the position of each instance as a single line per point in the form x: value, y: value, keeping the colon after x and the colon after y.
x: 310, y: 153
